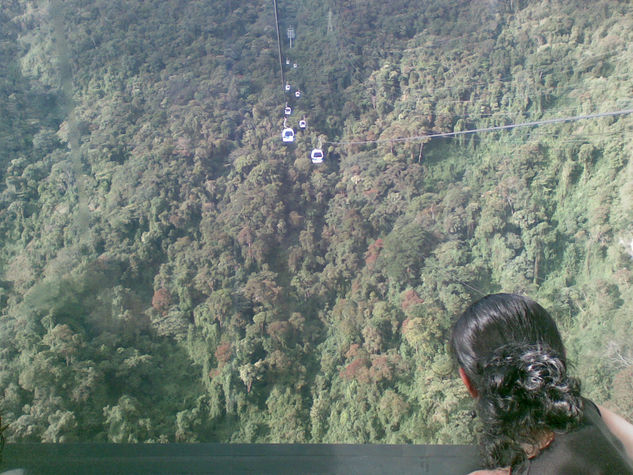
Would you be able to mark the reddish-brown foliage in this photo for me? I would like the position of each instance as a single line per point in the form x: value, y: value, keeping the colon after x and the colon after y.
x: 380, y: 368
x: 410, y: 299
x: 161, y: 300
x: 223, y: 352
x: 371, y: 256
x: 357, y: 370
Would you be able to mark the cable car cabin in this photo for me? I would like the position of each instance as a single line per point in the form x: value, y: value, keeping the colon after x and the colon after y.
x: 294, y: 65
x: 297, y: 94
x: 287, y: 61
x: 288, y: 110
x: 288, y: 135
x: 302, y: 124
x: 287, y: 87
x: 317, y: 155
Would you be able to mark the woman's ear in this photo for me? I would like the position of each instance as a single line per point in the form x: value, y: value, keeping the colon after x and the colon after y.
x: 468, y: 383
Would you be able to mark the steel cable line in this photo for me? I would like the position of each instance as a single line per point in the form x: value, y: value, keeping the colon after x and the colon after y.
x: 512, y: 79
x: 281, y: 63
x: 498, y: 114
x: 416, y: 138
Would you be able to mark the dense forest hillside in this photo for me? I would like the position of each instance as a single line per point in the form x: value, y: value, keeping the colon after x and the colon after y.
x: 171, y: 271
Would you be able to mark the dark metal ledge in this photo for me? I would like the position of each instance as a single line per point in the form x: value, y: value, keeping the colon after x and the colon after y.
x: 277, y: 459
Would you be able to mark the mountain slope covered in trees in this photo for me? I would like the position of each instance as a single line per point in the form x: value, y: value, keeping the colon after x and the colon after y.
x: 170, y: 271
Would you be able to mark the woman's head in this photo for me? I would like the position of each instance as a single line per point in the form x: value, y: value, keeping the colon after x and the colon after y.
x: 512, y: 359
x: 498, y: 320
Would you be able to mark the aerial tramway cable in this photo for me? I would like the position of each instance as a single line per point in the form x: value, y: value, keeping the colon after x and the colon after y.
x: 285, y: 87
x: 416, y: 138
x: 281, y: 63
x: 288, y: 134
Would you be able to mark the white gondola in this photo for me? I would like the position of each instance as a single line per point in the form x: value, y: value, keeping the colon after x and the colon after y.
x: 294, y: 65
x: 302, y: 124
x: 287, y: 87
x: 288, y: 110
x: 297, y: 94
x: 317, y: 155
x: 287, y: 61
x: 288, y: 135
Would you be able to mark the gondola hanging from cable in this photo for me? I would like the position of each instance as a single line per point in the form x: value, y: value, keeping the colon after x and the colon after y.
x: 287, y: 88
x: 317, y: 155
x: 288, y: 135
x: 302, y: 124
x: 297, y: 94
x: 288, y: 110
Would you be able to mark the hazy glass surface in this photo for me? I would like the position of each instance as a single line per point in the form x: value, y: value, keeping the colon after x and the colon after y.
x: 172, y: 271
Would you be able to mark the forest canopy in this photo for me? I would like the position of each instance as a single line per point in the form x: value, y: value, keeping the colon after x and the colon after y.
x: 170, y: 271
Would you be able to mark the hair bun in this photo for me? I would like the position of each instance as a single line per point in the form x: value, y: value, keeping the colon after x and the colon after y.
x: 524, y: 382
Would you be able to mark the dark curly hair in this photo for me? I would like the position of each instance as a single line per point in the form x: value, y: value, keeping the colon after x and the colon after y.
x: 512, y: 352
